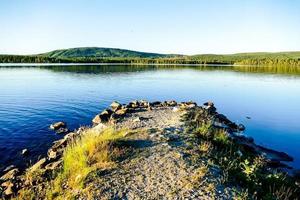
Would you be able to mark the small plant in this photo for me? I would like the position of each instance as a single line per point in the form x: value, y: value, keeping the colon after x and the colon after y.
x: 241, y: 195
x: 248, y: 169
x: 205, y: 147
x: 205, y: 130
x: 221, y: 137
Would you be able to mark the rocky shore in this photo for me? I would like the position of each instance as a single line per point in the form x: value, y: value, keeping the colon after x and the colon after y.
x: 173, y: 151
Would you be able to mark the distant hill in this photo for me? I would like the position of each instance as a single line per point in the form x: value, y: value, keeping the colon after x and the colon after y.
x: 97, y: 52
x: 114, y: 55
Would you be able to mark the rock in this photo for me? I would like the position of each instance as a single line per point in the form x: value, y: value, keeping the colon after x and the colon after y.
x: 121, y: 111
x: 9, y: 168
x: 11, y: 174
x: 62, y: 130
x: 71, y: 136
x: 97, y: 119
x: 187, y: 105
x: 173, y: 137
x: 100, y: 127
x: 171, y: 103
x: 104, y: 116
x: 54, y: 165
x: 6, y: 183
x: 58, y: 147
x: 144, y: 104
x: 25, y: 152
x: 156, y: 104
x: 9, y: 189
x: 38, y: 165
x: 210, y: 107
x: 138, y: 119
x: 59, y: 143
x: 52, y: 154
x: 58, y: 125
x: 133, y: 104
x: 241, y: 127
x: 175, y: 109
x: 115, y: 106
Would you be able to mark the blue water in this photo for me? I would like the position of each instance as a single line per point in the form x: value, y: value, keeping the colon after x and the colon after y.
x: 31, y: 98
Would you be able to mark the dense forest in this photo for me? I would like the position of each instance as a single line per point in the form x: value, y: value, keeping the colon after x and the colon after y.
x: 110, y: 55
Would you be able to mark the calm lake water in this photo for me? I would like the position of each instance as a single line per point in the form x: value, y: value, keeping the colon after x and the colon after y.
x: 31, y: 98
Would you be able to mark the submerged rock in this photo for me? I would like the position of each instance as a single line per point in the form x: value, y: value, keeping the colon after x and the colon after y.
x: 25, y: 152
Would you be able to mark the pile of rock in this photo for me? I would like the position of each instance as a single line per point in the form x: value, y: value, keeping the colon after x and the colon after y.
x: 117, y: 111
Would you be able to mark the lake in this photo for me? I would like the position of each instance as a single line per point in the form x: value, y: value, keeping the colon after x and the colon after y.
x: 33, y: 97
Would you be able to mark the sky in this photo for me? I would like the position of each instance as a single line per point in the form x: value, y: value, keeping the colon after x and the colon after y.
x: 161, y: 26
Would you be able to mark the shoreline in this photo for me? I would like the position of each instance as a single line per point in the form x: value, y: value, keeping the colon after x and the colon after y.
x: 140, y: 115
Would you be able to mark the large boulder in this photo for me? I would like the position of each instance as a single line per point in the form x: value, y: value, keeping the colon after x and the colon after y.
x: 115, y: 106
x: 103, y: 117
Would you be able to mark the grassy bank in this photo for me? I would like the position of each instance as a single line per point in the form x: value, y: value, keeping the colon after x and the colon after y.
x: 247, y: 172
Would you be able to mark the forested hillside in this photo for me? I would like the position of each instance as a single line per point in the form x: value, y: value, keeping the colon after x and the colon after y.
x: 111, y: 55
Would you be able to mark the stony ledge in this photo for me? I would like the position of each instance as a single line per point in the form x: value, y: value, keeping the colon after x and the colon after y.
x: 141, y: 114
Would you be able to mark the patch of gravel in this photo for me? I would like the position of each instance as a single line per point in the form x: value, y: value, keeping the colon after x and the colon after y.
x: 163, y: 165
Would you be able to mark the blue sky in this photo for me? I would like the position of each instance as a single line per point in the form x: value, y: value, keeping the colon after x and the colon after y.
x: 164, y: 26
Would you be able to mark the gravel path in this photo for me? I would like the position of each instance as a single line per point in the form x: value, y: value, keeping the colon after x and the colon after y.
x: 163, y: 165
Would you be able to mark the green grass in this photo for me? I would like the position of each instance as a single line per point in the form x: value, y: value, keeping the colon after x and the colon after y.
x: 92, y: 151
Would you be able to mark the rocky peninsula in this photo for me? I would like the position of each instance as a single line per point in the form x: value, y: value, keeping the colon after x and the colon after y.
x: 155, y: 150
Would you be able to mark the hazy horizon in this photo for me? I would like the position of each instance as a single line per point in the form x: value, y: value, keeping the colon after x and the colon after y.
x: 167, y: 27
